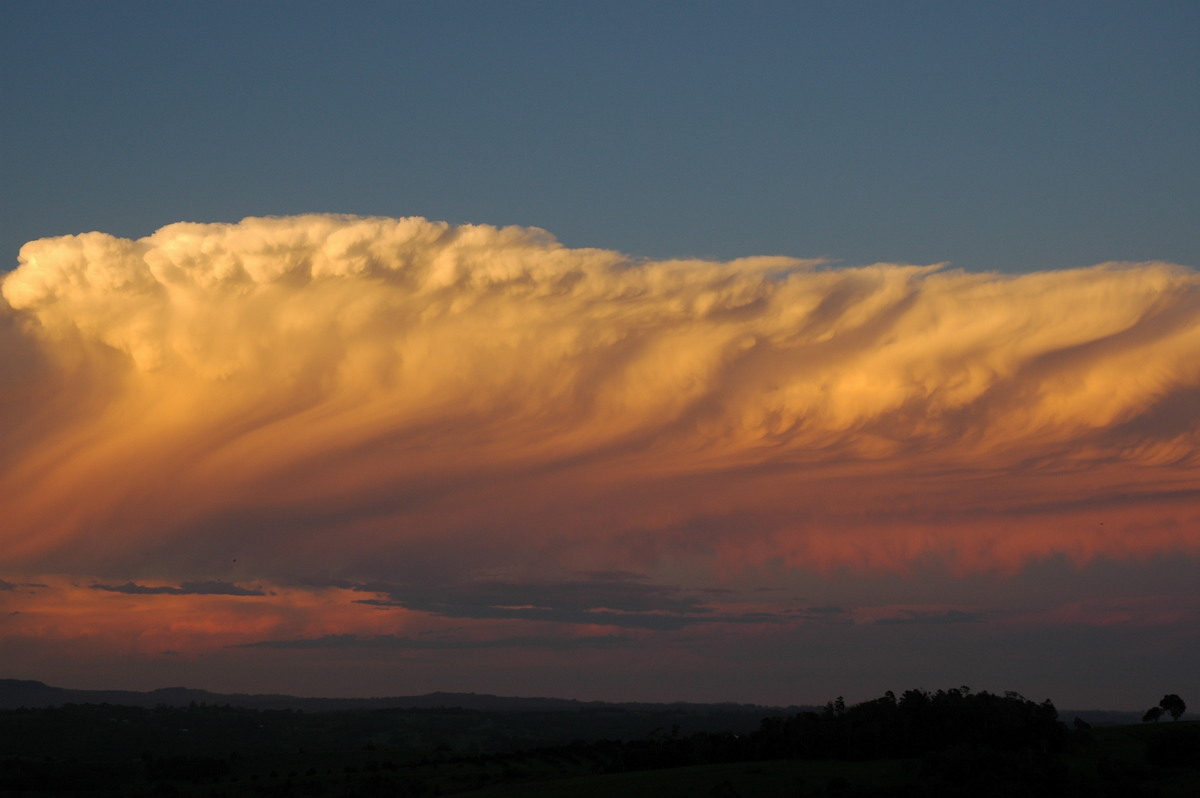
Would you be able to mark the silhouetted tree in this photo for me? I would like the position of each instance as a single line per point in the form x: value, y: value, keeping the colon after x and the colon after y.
x: 1152, y: 715
x: 1173, y: 705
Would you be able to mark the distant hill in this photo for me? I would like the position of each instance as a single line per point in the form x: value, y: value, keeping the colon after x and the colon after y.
x: 195, y: 743
x: 1100, y: 717
x: 16, y: 693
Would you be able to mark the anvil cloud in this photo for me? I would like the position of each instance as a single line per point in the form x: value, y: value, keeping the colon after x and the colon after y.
x: 326, y: 405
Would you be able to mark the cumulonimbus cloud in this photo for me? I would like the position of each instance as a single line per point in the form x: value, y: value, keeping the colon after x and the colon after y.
x: 351, y: 396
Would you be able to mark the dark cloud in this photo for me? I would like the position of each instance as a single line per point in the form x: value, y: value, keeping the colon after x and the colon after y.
x: 5, y: 585
x: 661, y: 623
x: 827, y: 615
x: 31, y: 586
x: 611, y: 598
x: 443, y: 644
x: 209, y: 588
x: 925, y: 617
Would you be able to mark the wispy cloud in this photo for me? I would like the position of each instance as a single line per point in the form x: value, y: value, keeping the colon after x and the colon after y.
x: 936, y: 617
x: 605, y: 598
x: 209, y: 588
x: 826, y: 615
x: 415, y: 644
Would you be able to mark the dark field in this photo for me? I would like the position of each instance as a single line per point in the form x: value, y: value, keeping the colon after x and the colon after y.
x: 947, y: 743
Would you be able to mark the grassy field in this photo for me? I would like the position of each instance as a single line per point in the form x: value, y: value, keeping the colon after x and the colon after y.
x: 104, y: 751
x: 1107, y: 761
x: 777, y: 779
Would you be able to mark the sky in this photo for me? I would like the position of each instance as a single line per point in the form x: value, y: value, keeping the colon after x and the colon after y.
x: 764, y: 352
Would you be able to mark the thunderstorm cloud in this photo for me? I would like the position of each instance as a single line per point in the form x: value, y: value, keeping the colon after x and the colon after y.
x: 403, y: 401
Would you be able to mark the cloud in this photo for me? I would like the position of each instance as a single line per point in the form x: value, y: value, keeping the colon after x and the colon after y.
x: 932, y: 617
x: 603, y: 598
x: 343, y: 641
x: 137, y: 619
x: 132, y: 619
x: 1179, y: 613
x: 826, y: 615
x: 402, y: 401
x: 210, y: 588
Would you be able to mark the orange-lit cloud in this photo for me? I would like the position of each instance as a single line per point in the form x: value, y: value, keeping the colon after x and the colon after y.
x: 133, y: 619
x: 373, y: 399
x: 601, y: 610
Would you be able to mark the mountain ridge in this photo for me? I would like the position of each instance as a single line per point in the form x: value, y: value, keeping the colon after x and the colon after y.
x: 30, y: 693
x: 34, y: 694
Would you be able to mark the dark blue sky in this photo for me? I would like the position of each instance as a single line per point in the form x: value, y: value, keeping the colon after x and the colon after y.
x: 1009, y: 136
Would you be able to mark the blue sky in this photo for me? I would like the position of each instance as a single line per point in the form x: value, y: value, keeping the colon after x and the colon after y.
x: 996, y: 136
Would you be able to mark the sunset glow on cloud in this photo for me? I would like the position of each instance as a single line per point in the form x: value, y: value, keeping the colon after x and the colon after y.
x: 338, y: 432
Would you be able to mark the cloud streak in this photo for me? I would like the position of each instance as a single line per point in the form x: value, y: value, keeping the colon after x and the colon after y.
x: 326, y: 397
x: 601, y: 600
x: 209, y: 588
x: 414, y: 644
x: 931, y: 617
